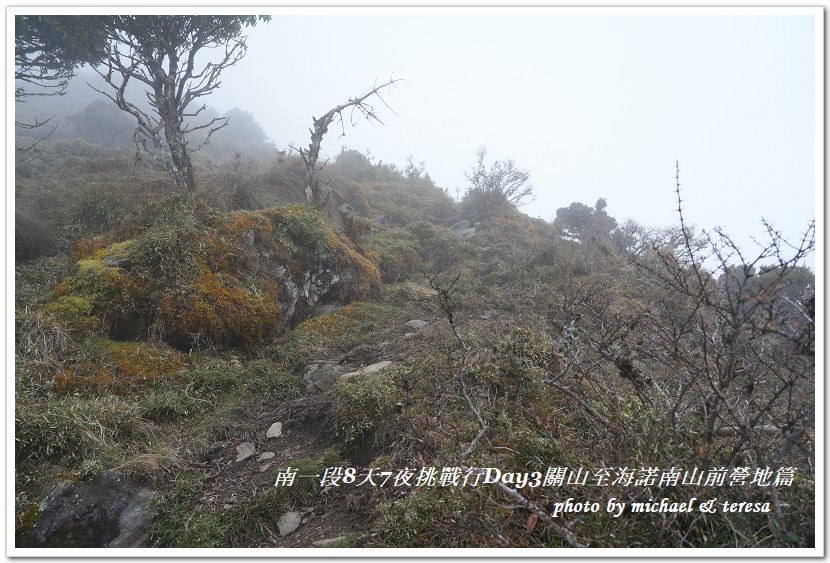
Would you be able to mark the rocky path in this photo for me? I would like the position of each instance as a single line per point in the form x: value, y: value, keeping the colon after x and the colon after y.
x: 241, y: 468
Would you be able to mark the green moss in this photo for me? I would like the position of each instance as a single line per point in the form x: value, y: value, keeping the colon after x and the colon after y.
x: 301, y: 227
x: 70, y: 307
x: 119, y: 250
x: 25, y: 520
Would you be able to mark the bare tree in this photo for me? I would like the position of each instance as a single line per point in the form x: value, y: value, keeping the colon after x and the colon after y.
x: 313, y: 191
x: 503, y: 183
x: 160, y: 53
x: 717, y: 345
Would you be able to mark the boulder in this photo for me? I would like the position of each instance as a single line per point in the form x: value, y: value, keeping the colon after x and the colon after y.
x: 320, y: 376
x: 108, y: 512
x: 369, y: 369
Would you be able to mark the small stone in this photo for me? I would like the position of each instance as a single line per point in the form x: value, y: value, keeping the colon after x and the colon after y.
x: 274, y: 431
x: 417, y: 324
x: 289, y: 522
x: 265, y: 455
x: 235, y: 364
x: 244, y: 451
x: 266, y: 467
x: 327, y: 542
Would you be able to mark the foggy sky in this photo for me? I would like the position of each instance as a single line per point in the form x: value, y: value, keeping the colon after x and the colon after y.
x: 593, y: 106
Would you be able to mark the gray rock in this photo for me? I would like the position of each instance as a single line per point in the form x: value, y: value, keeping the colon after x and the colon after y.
x: 467, y: 233
x: 109, y: 512
x: 123, y: 262
x: 274, y: 431
x: 417, y: 324
x: 265, y: 455
x: 461, y: 225
x: 320, y: 376
x: 328, y: 541
x: 289, y: 522
x: 244, y: 451
x: 369, y: 369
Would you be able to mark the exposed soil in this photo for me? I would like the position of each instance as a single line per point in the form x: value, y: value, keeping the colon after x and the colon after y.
x: 230, y: 483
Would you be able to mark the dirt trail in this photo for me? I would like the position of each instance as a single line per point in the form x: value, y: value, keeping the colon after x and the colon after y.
x: 230, y: 483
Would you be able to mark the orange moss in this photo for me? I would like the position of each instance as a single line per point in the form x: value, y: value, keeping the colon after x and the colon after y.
x: 354, y: 227
x: 85, y: 249
x: 367, y: 279
x: 123, y: 368
x: 135, y: 365
x: 337, y: 322
x: 218, y: 312
x: 87, y: 377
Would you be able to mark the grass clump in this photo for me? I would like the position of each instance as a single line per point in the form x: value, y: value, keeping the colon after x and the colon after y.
x: 429, y: 517
x: 181, y: 522
x: 267, y: 376
x: 366, y: 408
x: 74, y: 429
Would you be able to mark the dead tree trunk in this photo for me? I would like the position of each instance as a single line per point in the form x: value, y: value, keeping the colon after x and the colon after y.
x: 314, y: 193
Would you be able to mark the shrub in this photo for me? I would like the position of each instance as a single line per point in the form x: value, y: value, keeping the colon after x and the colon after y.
x: 396, y: 252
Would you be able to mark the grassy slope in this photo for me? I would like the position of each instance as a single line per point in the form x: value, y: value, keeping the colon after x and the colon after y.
x: 164, y: 416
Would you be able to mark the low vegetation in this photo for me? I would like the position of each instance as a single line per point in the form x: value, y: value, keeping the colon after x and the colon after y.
x: 145, y: 320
